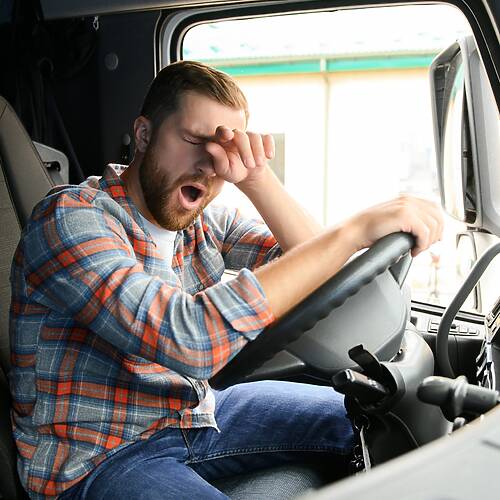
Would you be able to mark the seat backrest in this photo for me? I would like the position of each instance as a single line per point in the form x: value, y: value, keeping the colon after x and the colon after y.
x: 26, y: 176
x: 9, y: 236
x: 10, y: 486
x: 23, y: 182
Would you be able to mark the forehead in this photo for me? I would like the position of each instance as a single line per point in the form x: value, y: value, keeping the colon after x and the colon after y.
x: 204, y: 114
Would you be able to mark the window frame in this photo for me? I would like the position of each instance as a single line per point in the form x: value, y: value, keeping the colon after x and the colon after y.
x: 174, y: 23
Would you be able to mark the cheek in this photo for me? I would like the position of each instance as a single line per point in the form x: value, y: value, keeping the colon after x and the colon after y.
x: 174, y: 157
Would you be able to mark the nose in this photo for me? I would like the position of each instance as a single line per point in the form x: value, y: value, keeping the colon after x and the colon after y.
x: 206, y: 167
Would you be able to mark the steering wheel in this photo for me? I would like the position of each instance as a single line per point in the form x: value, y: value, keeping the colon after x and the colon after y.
x: 384, y: 254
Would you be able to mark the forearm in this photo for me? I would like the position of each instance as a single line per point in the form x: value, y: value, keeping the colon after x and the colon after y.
x: 290, y: 279
x: 286, y: 218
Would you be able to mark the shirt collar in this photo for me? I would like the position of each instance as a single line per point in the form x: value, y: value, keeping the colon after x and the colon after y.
x: 112, y: 184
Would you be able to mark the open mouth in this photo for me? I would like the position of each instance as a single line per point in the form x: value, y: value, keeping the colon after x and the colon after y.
x: 191, y: 195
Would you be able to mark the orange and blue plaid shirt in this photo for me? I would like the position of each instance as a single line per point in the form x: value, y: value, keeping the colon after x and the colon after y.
x: 109, y: 342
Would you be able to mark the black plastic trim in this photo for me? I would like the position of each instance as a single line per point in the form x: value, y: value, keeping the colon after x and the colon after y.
x: 437, y: 310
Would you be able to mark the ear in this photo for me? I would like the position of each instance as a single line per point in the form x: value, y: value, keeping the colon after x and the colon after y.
x: 142, y: 133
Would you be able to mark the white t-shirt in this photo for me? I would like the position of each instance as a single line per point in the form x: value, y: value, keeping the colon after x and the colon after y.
x: 163, y: 238
x: 165, y: 241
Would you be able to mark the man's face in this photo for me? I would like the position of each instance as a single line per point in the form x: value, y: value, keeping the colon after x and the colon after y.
x: 176, y: 174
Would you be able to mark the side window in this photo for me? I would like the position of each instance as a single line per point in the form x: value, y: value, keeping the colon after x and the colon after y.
x: 346, y: 95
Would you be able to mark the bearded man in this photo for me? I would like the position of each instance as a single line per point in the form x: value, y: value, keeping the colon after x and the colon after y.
x: 120, y: 318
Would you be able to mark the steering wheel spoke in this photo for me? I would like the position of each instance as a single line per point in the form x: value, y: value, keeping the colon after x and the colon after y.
x: 354, y: 276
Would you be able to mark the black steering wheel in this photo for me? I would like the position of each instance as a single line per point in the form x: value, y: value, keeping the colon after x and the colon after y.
x: 384, y: 254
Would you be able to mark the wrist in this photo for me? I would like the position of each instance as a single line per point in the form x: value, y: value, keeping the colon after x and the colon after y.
x: 255, y: 182
x: 351, y: 233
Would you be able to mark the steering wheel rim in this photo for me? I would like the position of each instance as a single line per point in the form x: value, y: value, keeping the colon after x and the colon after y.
x: 318, y: 305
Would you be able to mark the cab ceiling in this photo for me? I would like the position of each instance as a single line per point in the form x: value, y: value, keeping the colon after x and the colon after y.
x: 55, y: 9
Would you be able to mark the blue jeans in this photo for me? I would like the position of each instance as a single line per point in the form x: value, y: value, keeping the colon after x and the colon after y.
x: 262, y: 424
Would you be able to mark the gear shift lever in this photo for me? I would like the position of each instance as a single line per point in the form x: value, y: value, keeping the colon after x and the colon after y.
x: 456, y: 397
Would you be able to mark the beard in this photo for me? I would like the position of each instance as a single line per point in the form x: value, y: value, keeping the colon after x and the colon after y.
x: 160, y: 194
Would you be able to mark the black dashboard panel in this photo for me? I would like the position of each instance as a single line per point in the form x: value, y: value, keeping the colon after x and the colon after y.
x: 465, y: 339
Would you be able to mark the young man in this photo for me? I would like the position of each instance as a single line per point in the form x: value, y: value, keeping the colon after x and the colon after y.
x: 119, y: 317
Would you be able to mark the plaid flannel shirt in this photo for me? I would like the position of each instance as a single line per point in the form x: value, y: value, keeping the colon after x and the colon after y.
x: 109, y: 343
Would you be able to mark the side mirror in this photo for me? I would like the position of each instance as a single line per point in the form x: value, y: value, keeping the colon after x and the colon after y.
x: 459, y: 193
x: 467, y: 136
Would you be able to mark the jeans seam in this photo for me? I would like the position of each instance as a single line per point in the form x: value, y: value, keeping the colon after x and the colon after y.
x: 188, y: 445
x: 266, y: 449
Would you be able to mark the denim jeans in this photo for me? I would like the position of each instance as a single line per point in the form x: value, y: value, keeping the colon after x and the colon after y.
x: 262, y: 424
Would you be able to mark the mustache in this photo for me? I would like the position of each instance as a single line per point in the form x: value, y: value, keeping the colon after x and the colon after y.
x: 207, y: 182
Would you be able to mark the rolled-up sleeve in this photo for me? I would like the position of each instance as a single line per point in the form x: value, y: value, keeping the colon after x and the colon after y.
x: 80, y: 264
x: 245, y: 242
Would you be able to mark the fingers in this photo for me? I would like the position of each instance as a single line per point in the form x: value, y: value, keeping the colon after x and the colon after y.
x: 242, y: 142
x: 437, y: 220
x: 422, y: 235
x: 223, y: 134
x: 423, y: 219
x: 409, y: 214
x: 254, y: 149
x: 220, y: 160
x: 269, y: 147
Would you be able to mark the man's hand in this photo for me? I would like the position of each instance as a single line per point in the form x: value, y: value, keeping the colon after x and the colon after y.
x: 240, y: 156
x: 406, y: 213
x: 288, y: 280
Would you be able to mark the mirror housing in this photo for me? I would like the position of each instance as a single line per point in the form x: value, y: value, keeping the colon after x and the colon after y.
x: 467, y: 138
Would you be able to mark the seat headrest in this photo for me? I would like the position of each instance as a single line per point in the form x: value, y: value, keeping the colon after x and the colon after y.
x: 27, y: 179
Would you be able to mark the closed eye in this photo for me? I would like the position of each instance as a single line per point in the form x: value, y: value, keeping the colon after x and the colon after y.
x: 193, y: 142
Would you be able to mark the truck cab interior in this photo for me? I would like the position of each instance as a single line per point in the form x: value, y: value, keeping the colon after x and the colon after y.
x: 419, y: 374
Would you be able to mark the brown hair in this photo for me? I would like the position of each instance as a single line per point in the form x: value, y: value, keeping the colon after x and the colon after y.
x: 173, y: 80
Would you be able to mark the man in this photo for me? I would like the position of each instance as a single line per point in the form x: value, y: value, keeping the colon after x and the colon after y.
x: 119, y: 317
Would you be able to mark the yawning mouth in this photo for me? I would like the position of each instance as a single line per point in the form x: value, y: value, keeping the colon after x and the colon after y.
x: 191, y: 195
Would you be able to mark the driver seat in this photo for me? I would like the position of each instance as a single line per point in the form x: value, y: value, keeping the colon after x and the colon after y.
x: 24, y: 180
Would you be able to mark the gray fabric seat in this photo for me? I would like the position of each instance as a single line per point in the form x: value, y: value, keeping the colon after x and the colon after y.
x: 277, y: 483
x: 23, y: 182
